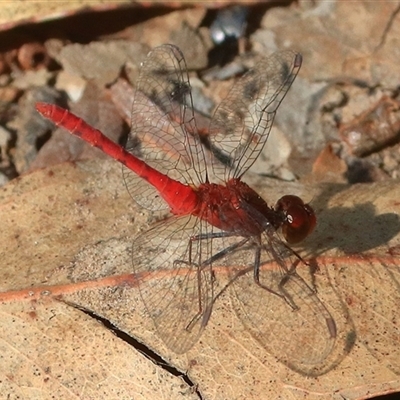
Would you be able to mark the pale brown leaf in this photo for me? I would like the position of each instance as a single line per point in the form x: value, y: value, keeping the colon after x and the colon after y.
x: 67, y: 235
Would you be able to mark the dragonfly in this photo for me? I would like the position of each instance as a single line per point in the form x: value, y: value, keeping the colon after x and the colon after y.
x: 216, y: 224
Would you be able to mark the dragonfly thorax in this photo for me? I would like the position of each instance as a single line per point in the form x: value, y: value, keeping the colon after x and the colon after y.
x: 236, y: 208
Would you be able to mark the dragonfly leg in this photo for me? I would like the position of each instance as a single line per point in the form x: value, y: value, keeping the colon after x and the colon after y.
x: 205, y: 314
x: 282, y: 292
x: 256, y: 275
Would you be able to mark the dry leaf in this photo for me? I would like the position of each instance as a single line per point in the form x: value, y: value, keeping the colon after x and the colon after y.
x: 67, y: 235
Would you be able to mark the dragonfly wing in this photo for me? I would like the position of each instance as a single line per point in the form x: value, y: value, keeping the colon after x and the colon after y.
x: 301, y: 338
x: 242, y: 122
x: 163, y: 127
x: 177, y: 294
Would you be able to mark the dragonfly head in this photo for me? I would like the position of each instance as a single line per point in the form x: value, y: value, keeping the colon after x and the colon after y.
x: 298, y: 218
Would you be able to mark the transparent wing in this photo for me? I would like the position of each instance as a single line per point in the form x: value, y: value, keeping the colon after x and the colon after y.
x: 300, y: 334
x: 176, y: 291
x: 242, y: 122
x: 283, y: 313
x: 164, y: 132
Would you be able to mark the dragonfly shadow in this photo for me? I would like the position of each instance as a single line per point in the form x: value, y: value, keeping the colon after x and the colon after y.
x: 363, y: 267
x: 352, y: 230
x: 357, y: 231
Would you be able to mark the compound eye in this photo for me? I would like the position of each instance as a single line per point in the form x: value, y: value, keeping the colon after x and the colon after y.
x: 298, y: 218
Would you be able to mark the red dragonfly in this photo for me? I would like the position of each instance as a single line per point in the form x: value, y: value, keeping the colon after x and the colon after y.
x: 217, y: 223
